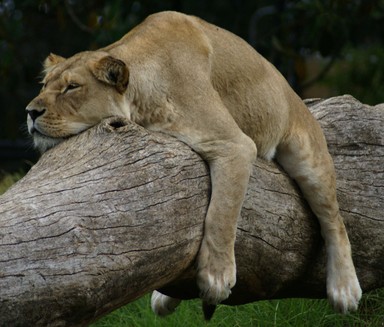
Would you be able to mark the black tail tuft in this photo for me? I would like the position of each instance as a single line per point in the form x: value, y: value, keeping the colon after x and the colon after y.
x: 209, y: 310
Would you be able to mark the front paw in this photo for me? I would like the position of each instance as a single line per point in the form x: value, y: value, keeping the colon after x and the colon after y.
x: 215, y: 280
x: 344, y: 291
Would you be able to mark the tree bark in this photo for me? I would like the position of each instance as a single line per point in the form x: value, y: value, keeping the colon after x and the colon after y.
x: 118, y: 211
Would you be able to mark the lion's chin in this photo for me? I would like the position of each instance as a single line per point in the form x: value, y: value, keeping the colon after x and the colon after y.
x: 44, y: 143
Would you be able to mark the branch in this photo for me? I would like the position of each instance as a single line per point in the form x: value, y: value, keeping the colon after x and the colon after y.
x: 118, y: 211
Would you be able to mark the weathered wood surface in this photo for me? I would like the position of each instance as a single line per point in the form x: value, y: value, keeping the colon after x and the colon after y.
x: 118, y: 211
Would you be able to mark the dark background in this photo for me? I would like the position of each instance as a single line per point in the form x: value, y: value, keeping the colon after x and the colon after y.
x: 323, y: 47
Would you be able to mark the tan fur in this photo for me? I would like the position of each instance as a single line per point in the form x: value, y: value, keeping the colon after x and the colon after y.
x: 182, y: 76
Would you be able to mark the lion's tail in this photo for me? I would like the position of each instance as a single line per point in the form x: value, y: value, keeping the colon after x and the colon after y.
x: 208, y: 310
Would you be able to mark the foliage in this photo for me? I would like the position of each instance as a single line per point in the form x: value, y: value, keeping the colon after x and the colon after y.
x: 361, y: 74
x: 7, y: 180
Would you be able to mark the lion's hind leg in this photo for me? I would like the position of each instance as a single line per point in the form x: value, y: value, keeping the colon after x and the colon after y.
x: 306, y: 159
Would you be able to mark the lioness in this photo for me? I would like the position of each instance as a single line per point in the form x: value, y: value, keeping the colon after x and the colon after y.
x: 185, y: 77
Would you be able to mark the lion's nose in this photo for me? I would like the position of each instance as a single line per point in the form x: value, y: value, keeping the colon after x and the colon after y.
x: 35, y: 113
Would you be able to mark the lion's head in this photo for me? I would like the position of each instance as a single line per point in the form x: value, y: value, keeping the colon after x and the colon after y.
x: 77, y: 93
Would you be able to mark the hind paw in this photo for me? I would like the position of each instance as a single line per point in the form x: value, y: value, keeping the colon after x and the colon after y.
x: 163, y: 305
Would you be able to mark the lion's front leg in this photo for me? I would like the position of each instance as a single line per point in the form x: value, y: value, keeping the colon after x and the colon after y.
x: 216, y: 269
x: 230, y: 164
x: 206, y: 125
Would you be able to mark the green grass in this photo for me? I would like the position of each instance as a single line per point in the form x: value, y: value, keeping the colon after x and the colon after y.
x: 277, y: 313
x: 8, y: 180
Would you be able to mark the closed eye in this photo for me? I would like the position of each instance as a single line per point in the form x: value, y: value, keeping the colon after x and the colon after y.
x: 70, y: 87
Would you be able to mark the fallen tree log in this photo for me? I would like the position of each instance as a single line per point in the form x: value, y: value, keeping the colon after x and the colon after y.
x: 118, y: 211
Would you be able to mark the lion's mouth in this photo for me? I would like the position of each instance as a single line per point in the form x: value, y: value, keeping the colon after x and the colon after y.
x: 44, y: 142
x: 34, y: 131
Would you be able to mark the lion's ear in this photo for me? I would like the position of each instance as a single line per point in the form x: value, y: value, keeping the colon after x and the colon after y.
x: 111, y: 71
x: 51, y: 61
